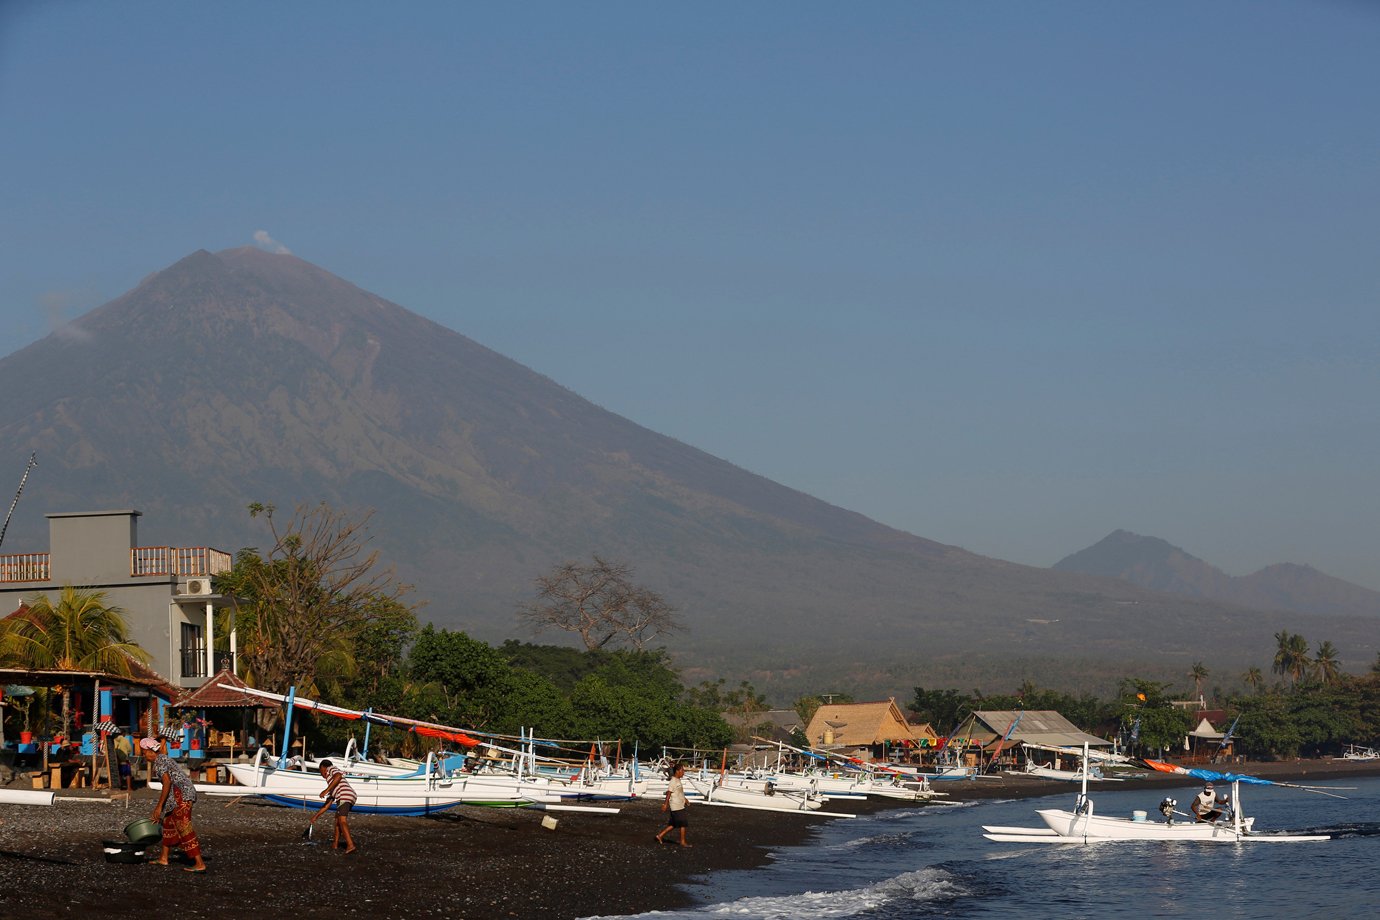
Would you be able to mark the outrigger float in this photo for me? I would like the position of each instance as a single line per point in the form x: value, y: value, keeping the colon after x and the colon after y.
x: 1083, y: 825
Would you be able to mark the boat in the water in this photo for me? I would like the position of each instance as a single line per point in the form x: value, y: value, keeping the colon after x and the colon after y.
x: 1083, y: 825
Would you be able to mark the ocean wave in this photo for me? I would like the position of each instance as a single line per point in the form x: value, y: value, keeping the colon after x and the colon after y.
x: 921, y: 885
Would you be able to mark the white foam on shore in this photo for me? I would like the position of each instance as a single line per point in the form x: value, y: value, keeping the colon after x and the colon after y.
x: 918, y: 886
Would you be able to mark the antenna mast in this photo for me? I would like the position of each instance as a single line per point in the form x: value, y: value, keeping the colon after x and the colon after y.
x: 33, y: 462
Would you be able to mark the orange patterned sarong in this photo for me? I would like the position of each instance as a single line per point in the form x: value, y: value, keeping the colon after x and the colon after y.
x: 177, y: 828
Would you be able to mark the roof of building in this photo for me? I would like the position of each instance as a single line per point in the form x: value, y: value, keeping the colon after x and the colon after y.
x: 142, y: 677
x: 863, y: 724
x: 1038, y: 726
x: 1205, y: 730
x: 775, y: 724
x: 211, y: 695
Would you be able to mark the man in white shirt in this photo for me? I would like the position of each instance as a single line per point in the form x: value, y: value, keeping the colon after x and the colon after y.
x: 674, y: 805
x: 1206, y: 805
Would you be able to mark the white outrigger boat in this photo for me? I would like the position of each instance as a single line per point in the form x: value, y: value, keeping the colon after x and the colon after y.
x: 1358, y: 754
x: 432, y: 787
x: 716, y: 791
x: 1083, y: 825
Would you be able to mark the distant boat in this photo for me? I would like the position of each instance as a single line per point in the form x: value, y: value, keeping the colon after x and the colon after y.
x: 1359, y: 754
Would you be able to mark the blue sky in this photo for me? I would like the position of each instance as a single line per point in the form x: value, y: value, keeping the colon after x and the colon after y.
x: 1005, y: 275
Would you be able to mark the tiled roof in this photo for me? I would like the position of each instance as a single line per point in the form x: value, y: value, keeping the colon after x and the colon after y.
x: 211, y: 695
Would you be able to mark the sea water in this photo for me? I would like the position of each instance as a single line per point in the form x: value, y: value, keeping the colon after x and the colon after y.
x: 932, y: 861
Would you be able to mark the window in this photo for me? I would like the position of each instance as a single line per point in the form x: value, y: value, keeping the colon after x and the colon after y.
x: 193, y: 651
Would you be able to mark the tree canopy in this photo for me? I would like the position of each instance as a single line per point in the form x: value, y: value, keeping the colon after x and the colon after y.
x: 307, y: 602
x: 601, y: 604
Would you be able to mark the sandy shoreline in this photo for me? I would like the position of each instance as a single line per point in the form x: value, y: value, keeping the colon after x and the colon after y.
x: 471, y: 862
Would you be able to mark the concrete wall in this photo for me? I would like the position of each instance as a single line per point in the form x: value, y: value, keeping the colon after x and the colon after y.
x: 92, y: 547
x: 92, y: 551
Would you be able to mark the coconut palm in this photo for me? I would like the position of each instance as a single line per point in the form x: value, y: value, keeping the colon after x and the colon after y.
x: 1291, y: 657
x: 1253, y: 679
x: 1325, y: 664
x: 78, y: 633
x: 1199, y: 673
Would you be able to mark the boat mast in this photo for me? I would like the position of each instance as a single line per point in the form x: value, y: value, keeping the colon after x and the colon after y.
x: 33, y: 462
x: 1084, y: 806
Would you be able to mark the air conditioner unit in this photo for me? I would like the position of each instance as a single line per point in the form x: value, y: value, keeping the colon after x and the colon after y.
x: 198, y: 586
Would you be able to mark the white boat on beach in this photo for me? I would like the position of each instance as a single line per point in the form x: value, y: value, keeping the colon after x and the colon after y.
x: 1048, y: 771
x: 1358, y: 754
x: 399, y: 795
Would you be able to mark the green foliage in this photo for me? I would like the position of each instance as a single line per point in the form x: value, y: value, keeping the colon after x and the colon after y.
x: 805, y: 707
x: 1161, y: 726
x: 562, y: 665
x: 315, y: 602
x: 627, y: 694
x: 942, y: 709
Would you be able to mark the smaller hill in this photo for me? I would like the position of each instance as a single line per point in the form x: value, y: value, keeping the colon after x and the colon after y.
x: 1153, y: 563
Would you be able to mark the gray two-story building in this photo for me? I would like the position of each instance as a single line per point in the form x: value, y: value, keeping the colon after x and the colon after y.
x: 165, y: 592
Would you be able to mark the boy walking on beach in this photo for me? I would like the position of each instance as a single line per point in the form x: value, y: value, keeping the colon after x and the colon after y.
x: 674, y: 805
x: 341, y: 794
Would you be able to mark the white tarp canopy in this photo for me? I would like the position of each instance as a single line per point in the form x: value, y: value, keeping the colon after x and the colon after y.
x: 1206, y: 731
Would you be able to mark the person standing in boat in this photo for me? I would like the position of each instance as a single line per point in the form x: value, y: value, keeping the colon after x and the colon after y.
x: 1207, y: 806
x: 674, y: 806
x: 341, y: 794
x: 174, y: 808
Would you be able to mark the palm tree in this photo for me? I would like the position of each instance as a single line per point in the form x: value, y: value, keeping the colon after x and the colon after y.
x: 78, y: 633
x: 1291, y: 656
x: 1253, y: 679
x: 1199, y: 673
x: 1325, y: 665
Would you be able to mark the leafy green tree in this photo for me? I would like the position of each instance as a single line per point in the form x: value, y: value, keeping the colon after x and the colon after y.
x: 1147, y: 703
x: 475, y: 678
x: 562, y: 665
x: 1265, y: 728
x: 310, y: 599
x: 942, y: 709
x: 80, y: 632
x: 805, y: 707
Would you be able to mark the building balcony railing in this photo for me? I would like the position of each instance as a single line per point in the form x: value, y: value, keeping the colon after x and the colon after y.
x: 143, y: 561
x: 178, y: 560
x: 194, y: 661
x: 24, y: 567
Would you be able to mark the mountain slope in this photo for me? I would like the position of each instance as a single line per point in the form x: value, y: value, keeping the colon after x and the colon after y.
x: 1158, y: 565
x: 246, y: 376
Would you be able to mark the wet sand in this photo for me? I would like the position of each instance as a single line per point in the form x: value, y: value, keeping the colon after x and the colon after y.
x: 468, y: 862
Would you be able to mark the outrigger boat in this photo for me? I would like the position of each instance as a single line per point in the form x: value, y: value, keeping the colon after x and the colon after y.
x: 432, y: 788
x: 1359, y: 754
x: 1083, y: 825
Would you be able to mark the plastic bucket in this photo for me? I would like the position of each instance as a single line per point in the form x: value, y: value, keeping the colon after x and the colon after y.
x: 1137, y: 816
x: 26, y: 737
x: 144, y: 831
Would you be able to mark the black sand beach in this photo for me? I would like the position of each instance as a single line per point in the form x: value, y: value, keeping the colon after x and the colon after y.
x: 470, y: 862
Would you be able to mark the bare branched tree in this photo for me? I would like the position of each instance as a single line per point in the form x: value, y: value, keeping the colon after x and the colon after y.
x: 310, y: 596
x: 600, y: 604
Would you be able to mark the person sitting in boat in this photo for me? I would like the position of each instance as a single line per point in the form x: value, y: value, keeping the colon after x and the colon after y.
x: 1207, y: 806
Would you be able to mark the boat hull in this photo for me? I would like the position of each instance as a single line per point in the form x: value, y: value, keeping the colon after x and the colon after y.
x: 1071, y: 827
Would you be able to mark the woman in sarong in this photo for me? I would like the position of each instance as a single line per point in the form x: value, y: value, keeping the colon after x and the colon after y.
x: 174, y: 808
